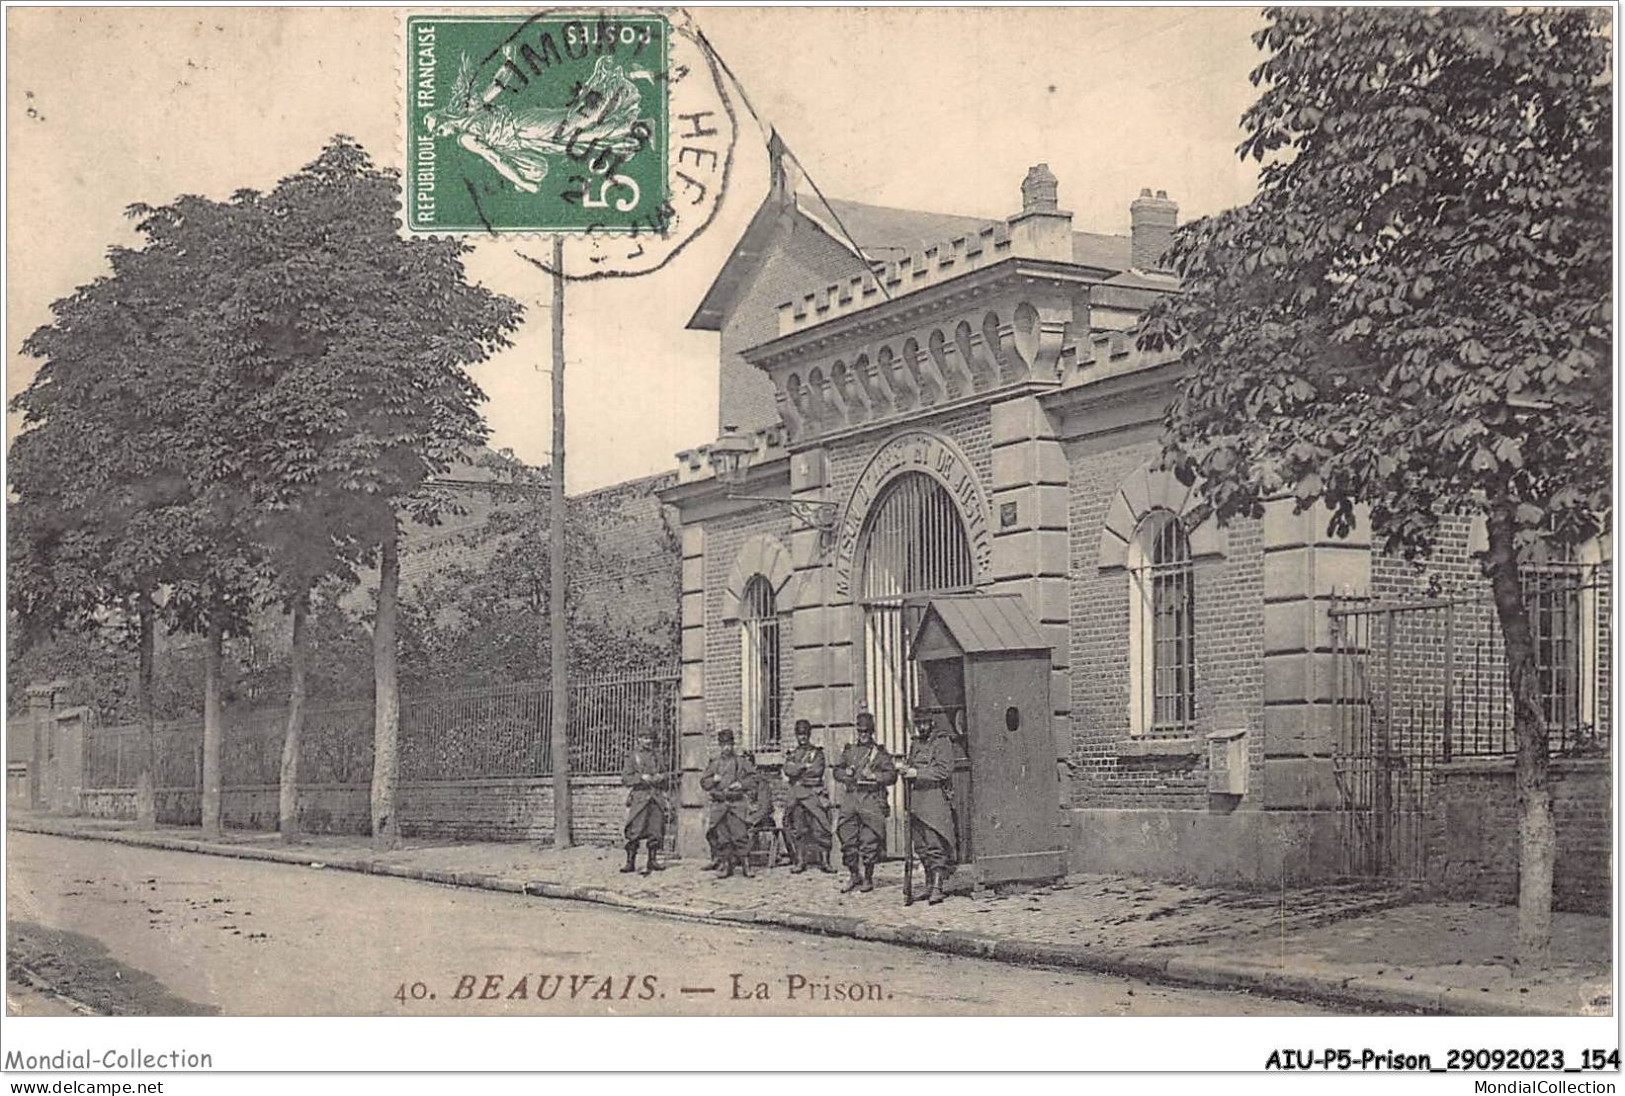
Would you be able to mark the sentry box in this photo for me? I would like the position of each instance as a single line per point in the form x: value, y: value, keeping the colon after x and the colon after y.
x: 984, y: 667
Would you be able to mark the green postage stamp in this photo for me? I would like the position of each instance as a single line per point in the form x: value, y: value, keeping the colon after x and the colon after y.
x: 538, y: 123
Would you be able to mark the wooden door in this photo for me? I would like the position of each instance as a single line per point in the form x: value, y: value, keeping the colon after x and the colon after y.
x: 1016, y: 825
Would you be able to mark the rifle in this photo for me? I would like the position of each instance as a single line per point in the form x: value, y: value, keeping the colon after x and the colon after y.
x: 908, y: 841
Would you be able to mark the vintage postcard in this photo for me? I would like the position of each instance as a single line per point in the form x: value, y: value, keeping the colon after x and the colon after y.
x: 849, y: 513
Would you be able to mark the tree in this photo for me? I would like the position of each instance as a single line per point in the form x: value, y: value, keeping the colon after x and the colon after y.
x: 1414, y: 312
x: 217, y: 574
x: 486, y: 622
x: 104, y: 507
x: 350, y: 372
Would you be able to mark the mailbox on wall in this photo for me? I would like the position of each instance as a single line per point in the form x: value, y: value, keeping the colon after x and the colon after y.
x: 984, y: 667
x: 1227, y: 762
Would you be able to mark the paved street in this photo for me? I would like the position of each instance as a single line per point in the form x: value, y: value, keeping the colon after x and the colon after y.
x: 149, y: 931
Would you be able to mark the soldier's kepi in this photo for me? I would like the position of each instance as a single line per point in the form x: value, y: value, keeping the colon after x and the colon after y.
x: 930, y: 767
x: 730, y: 781
x: 865, y: 770
x: 646, y: 802
x: 806, y: 818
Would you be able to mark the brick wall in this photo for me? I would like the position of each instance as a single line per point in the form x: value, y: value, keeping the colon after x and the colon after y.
x: 1482, y: 718
x: 1228, y: 595
x: 1472, y: 829
x: 724, y: 537
x: 968, y: 427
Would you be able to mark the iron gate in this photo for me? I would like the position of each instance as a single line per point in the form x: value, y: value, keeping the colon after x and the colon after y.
x: 1383, y: 729
x: 1415, y: 685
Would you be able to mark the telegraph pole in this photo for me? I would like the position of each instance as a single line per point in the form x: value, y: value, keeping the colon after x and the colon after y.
x: 560, y: 740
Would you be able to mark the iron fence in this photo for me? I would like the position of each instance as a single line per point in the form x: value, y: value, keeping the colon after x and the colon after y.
x: 502, y: 731
x: 1417, y: 684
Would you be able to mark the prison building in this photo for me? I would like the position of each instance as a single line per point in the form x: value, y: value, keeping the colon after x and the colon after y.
x: 920, y: 409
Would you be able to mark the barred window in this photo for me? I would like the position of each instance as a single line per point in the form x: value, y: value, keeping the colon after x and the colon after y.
x: 1162, y: 634
x: 761, y: 692
x: 1560, y: 597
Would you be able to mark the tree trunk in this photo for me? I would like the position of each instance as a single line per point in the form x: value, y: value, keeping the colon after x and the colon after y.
x: 1537, y: 831
x: 146, y: 779
x: 212, y: 728
x: 287, y: 813
x: 386, y: 722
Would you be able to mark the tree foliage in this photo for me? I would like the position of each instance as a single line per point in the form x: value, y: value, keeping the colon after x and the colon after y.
x: 243, y: 407
x: 1415, y: 312
x: 484, y: 620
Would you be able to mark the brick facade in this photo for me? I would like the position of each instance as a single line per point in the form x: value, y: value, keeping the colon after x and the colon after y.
x: 1058, y: 417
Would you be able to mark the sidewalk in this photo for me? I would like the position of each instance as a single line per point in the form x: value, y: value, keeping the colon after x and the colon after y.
x: 1363, y: 948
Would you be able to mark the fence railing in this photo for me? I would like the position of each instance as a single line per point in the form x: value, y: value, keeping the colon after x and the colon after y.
x: 1434, y: 673
x: 497, y: 732
x: 1417, y: 684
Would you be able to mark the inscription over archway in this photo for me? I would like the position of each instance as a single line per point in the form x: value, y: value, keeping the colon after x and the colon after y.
x: 915, y: 451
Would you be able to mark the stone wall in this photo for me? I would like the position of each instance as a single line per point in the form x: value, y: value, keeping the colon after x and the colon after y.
x: 451, y: 810
x: 1472, y: 832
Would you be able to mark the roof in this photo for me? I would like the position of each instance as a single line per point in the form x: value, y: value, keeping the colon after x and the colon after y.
x: 882, y: 232
x: 986, y: 623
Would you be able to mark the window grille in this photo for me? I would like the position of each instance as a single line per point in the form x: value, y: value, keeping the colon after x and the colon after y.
x: 1560, y: 598
x: 762, y: 694
x: 1162, y: 639
x: 914, y: 544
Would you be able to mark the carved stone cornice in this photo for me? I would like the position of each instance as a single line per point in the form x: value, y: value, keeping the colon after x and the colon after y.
x: 1006, y: 324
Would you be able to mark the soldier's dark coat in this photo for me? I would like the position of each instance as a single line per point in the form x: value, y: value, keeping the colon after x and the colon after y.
x: 729, y: 826
x: 864, y: 773
x: 646, y: 802
x: 931, y: 801
x: 807, y: 815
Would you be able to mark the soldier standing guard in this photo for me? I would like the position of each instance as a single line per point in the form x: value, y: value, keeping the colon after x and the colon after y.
x: 730, y: 781
x: 930, y: 766
x: 807, y: 817
x: 646, y: 802
x: 865, y: 770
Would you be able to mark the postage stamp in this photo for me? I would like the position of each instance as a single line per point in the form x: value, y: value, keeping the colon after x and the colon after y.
x: 537, y: 122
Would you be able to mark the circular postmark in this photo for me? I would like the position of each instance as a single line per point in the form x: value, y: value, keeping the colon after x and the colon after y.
x: 611, y: 127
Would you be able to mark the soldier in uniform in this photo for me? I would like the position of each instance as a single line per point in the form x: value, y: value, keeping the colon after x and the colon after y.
x: 930, y: 766
x: 806, y: 819
x: 730, y: 781
x: 865, y: 770
x: 759, y: 811
x: 646, y: 802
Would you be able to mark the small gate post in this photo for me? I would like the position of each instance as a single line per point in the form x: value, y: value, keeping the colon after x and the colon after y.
x: 1384, y: 789
x: 1449, y: 675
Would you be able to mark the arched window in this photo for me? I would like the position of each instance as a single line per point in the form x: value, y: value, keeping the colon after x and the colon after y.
x: 914, y: 543
x: 1162, y: 635
x: 761, y: 690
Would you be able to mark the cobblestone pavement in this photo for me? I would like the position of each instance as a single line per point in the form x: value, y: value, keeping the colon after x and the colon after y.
x: 1101, y: 910
x: 1373, y: 947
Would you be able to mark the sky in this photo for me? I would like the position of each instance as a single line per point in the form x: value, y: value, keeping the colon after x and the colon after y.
x: 937, y: 109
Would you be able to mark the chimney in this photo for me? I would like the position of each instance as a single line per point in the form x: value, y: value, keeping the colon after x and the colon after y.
x: 1153, y: 221
x: 1041, y: 230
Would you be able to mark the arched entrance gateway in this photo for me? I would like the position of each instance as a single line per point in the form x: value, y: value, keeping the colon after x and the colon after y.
x: 914, y: 544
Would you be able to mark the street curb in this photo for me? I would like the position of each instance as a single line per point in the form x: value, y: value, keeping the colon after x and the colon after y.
x: 1367, y: 994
